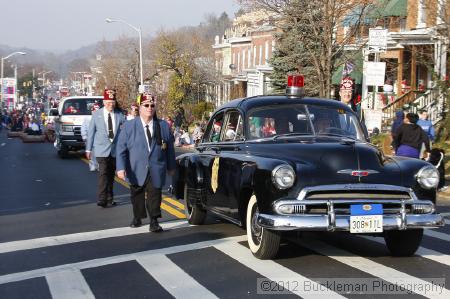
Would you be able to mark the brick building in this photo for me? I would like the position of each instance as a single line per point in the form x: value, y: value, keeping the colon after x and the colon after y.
x: 418, y: 39
x: 242, y: 56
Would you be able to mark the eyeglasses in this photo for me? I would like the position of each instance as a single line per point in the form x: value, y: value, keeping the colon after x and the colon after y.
x: 148, y: 105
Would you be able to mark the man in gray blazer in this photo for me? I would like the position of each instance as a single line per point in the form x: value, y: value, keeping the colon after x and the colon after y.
x: 145, y: 152
x: 103, y: 132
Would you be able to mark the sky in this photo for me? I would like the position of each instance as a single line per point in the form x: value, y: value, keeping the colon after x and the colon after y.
x: 60, y: 25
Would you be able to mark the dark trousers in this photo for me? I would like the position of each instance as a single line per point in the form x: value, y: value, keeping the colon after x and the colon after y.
x: 140, y: 201
x: 106, y: 174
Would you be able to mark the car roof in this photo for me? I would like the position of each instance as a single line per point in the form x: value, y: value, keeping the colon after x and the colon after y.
x: 260, y: 101
x: 82, y: 97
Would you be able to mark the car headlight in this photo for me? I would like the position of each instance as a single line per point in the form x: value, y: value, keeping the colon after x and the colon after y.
x: 67, y: 128
x: 428, y: 177
x: 283, y: 176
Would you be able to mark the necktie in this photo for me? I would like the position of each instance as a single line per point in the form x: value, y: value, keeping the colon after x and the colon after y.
x: 110, y: 127
x: 149, y: 136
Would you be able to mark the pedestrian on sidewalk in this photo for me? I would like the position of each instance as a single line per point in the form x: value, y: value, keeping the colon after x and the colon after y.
x: 104, y: 128
x: 410, y: 137
x: 93, y: 164
x: 427, y: 126
x: 145, y: 152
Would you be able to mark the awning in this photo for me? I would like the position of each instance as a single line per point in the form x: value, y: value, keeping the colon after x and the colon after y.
x: 395, y: 8
x: 356, y: 16
x: 356, y: 73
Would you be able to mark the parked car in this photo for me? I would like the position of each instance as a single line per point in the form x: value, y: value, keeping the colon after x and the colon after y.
x: 70, y: 116
x: 290, y: 163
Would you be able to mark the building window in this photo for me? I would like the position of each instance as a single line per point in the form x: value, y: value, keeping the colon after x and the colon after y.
x: 402, y: 24
x: 249, y: 54
x: 260, y: 54
x: 254, y: 56
x: 386, y: 23
x: 238, y: 66
x: 267, y: 53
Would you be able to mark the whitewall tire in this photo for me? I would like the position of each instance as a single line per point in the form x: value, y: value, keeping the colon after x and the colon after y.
x: 263, y: 243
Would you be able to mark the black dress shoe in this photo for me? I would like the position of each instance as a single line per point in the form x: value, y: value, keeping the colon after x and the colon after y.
x: 112, y: 202
x: 154, y: 226
x: 136, y: 222
x: 102, y: 203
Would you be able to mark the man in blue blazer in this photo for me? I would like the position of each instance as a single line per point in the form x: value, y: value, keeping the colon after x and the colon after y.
x: 103, y: 132
x: 145, y: 151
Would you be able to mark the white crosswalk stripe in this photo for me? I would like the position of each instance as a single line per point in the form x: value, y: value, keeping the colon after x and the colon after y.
x: 367, y: 265
x: 68, y: 284
x: 435, y: 234
x: 269, y: 269
x: 67, y: 281
x: 83, y: 237
x: 111, y: 260
x: 177, y: 282
x: 421, y: 251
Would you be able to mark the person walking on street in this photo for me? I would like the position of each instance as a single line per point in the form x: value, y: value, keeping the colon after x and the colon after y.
x: 145, y: 151
x: 426, y: 124
x: 93, y: 164
x: 103, y: 132
x: 398, y: 121
x: 409, y: 138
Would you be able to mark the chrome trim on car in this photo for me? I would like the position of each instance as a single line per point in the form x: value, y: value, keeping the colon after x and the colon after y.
x: 355, y: 187
x: 357, y: 172
x: 342, y: 223
x: 330, y: 214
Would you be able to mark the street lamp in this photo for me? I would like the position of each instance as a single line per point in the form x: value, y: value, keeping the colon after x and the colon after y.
x: 109, y: 20
x: 1, y: 80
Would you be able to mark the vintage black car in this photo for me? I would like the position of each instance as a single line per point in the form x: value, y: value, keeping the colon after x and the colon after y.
x: 282, y: 163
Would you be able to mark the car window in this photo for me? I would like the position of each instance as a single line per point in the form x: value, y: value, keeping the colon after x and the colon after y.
x: 276, y: 120
x: 332, y: 121
x: 212, y: 133
x: 79, y: 106
x: 233, y: 127
x: 302, y: 120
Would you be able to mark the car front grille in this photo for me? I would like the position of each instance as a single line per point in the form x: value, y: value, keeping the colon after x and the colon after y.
x: 77, y: 130
x: 319, y: 199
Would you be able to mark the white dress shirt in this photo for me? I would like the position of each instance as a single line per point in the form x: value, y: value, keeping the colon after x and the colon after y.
x: 150, y: 127
x: 105, y: 116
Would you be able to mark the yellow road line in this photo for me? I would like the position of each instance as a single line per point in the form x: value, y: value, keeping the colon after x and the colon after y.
x: 165, y: 207
x: 174, y: 202
x: 172, y: 211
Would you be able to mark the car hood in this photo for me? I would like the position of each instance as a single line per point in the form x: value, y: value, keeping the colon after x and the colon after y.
x: 323, y: 162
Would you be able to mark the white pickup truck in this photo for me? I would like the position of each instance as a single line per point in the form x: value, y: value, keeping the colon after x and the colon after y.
x: 72, y: 111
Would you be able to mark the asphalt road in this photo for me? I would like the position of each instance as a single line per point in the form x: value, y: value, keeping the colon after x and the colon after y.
x: 56, y: 243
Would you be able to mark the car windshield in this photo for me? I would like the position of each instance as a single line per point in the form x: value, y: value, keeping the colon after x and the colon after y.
x: 298, y: 120
x: 79, y: 106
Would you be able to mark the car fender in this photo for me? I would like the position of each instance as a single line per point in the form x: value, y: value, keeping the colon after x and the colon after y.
x: 257, y: 176
x: 189, y: 171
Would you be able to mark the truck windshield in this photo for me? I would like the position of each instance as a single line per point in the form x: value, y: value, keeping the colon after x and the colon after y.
x: 79, y: 106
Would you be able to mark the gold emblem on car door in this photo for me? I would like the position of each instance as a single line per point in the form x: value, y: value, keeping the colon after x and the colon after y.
x: 215, y: 174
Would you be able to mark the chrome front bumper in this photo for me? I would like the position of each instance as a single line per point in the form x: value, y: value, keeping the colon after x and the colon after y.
x: 342, y: 222
x: 399, y: 214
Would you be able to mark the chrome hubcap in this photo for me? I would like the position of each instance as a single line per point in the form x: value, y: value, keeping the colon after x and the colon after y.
x: 255, y: 228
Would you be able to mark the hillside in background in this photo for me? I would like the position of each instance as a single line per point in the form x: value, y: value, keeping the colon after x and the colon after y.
x: 57, y: 62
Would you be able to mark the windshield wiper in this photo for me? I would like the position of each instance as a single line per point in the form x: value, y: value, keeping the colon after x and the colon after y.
x: 337, y: 135
x: 290, y: 135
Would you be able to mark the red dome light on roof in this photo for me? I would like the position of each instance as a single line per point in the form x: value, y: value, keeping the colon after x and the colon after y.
x: 295, y: 84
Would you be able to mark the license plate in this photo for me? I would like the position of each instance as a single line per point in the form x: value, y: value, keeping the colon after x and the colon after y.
x: 366, y: 224
x: 367, y: 218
